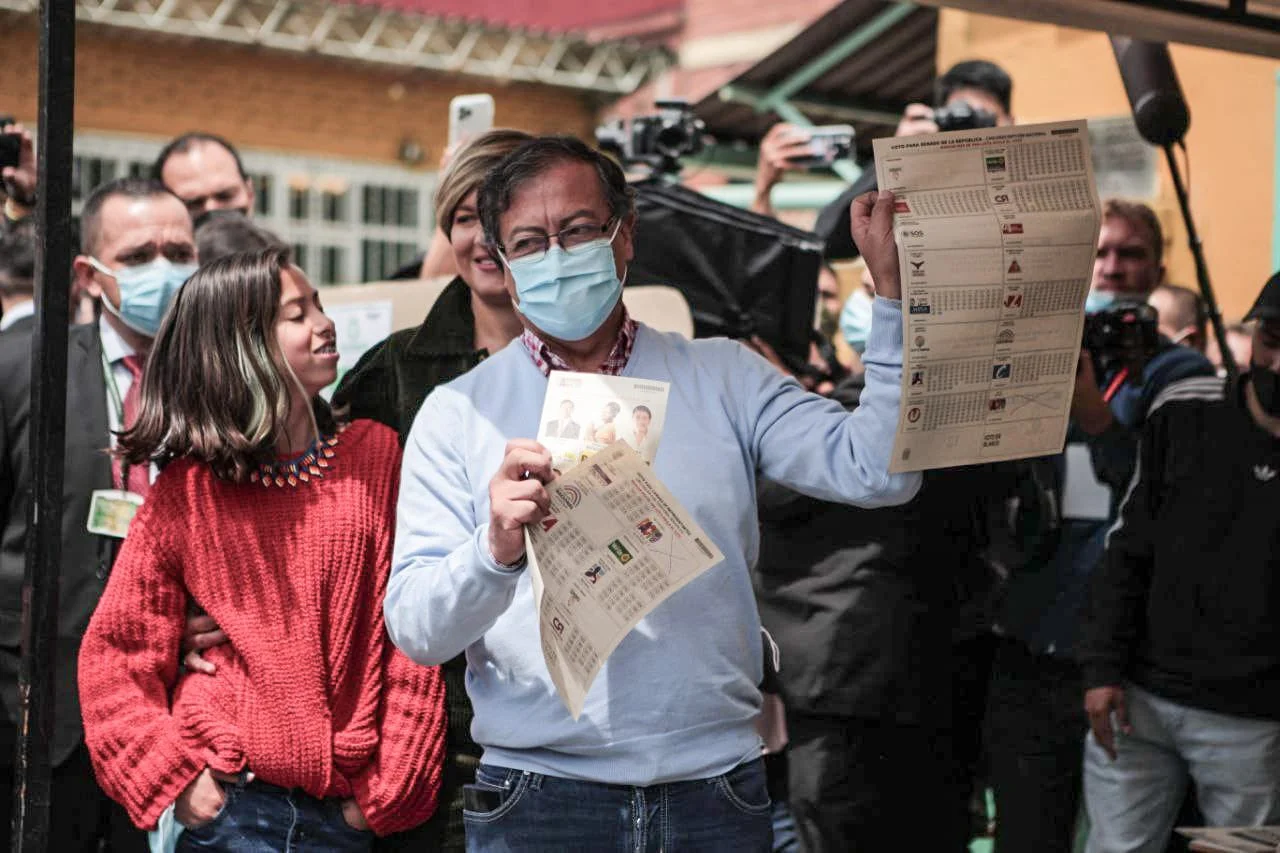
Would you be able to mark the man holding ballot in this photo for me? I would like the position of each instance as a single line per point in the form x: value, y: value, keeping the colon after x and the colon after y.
x: 665, y: 753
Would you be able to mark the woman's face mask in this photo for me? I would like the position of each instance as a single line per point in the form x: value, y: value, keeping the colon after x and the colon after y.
x: 855, y: 320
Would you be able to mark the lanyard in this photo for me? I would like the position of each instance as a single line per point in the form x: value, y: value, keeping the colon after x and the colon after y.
x: 117, y: 403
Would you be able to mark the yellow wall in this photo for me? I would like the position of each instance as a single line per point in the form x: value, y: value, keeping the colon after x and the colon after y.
x: 1061, y: 73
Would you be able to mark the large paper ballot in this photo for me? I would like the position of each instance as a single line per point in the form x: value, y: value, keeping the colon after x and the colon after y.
x: 997, y: 231
x: 614, y: 547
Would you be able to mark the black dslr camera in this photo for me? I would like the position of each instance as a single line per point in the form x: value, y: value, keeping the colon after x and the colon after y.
x: 1122, y: 335
x: 656, y: 140
x: 962, y: 116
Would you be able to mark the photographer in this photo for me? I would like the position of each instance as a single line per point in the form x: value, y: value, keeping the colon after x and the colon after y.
x: 974, y: 93
x: 1035, y: 721
x: 19, y: 180
x: 1180, y: 646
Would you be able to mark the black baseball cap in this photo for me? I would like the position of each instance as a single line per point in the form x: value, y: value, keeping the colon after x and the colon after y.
x: 1268, y: 305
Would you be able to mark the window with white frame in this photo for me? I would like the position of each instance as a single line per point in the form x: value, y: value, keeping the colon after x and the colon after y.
x: 347, y: 221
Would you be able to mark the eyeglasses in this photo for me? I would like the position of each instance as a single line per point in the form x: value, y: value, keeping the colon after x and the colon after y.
x: 535, y: 246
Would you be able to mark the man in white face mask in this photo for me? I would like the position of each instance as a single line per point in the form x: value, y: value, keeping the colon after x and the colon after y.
x: 137, y: 250
x: 667, y: 733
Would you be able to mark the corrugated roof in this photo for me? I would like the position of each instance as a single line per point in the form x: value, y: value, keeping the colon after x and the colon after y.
x: 883, y: 76
x: 546, y: 16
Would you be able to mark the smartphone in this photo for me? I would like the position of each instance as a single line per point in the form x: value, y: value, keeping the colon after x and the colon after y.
x: 469, y: 116
x: 10, y: 149
x: 828, y: 143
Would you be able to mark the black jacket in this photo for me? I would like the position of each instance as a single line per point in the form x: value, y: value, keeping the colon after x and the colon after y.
x: 86, y: 557
x: 862, y: 602
x: 1187, y: 600
x: 390, y: 381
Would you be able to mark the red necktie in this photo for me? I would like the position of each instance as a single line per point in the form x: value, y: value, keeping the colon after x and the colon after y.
x: 139, y: 475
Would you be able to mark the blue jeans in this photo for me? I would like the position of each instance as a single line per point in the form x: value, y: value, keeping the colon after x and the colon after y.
x: 546, y: 814
x: 261, y: 818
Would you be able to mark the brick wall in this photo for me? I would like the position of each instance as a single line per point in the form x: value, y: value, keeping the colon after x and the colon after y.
x: 161, y: 86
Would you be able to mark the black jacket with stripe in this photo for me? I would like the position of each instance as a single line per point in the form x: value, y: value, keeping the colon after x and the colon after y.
x: 1187, y: 601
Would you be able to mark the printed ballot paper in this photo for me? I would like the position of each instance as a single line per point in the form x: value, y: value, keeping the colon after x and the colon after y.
x: 997, y: 230
x: 614, y: 547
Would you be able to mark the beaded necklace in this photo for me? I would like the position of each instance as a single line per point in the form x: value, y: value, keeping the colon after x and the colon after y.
x: 310, y: 465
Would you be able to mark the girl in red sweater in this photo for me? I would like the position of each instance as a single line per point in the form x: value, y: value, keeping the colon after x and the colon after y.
x: 313, y: 729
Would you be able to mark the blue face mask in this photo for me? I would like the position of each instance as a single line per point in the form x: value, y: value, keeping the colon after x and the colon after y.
x: 145, y: 291
x: 569, y: 295
x: 1098, y: 300
x: 855, y: 320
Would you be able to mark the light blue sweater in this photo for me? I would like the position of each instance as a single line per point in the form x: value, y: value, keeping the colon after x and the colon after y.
x: 678, y: 698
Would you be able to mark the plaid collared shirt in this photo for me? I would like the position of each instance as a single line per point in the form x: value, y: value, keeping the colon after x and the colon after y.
x: 546, y: 360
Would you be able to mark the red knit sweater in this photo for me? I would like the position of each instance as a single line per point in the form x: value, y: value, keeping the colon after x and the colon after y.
x: 309, y: 693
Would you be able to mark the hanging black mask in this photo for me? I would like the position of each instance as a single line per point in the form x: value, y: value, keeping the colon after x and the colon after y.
x: 1266, y: 384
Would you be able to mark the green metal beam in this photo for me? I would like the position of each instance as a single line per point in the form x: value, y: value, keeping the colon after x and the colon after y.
x: 794, y: 196
x: 838, y: 53
x: 846, y: 111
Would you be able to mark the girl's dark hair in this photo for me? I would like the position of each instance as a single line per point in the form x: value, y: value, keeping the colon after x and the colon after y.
x: 217, y: 388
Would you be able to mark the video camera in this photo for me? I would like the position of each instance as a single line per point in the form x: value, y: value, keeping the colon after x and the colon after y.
x: 657, y: 140
x: 1122, y: 335
x: 962, y: 116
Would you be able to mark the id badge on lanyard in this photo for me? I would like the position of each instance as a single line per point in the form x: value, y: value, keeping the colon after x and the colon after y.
x: 111, y: 511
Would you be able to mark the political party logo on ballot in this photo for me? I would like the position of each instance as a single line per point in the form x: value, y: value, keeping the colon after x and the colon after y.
x: 919, y: 341
x: 996, y: 404
x: 596, y: 572
x: 1012, y: 228
x: 1002, y: 371
x: 1005, y: 336
x: 901, y: 206
x: 599, y: 476
x: 1015, y: 267
x: 996, y: 163
x: 913, y: 414
x: 917, y: 268
x: 557, y: 624
x: 620, y: 551
x: 649, y: 531
x: 1013, y: 300
x: 920, y: 305
x: 917, y: 377
x: 571, y: 495
x: 548, y: 523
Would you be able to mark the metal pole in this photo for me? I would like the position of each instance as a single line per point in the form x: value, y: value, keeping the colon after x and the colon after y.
x: 1202, y: 270
x: 54, y: 248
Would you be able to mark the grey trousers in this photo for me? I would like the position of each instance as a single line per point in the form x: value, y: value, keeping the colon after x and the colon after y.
x: 1234, y: 763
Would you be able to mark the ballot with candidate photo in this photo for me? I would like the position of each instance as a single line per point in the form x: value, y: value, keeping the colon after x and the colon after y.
x: 586, y: 412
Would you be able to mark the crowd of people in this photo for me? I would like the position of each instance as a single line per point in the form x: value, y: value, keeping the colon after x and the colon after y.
x: 291, y: 623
